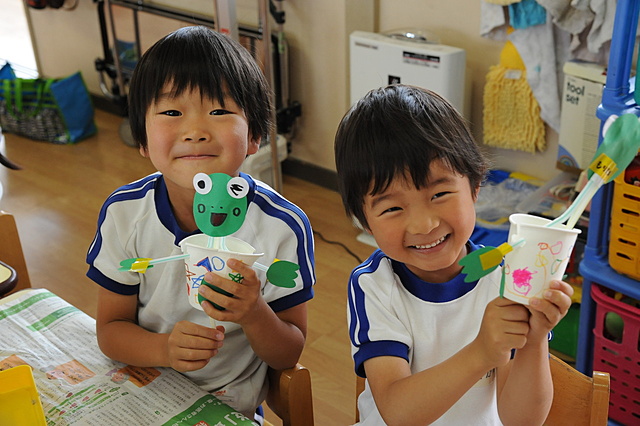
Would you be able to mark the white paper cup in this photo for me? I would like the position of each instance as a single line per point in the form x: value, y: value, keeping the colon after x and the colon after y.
x: 203, y: 259
x: 530, y: 267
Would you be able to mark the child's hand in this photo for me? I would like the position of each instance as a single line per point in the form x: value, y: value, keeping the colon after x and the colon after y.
x: 546, y: 313
x: 190, y: 345
x: 504, y: 327
x: 246, y: 302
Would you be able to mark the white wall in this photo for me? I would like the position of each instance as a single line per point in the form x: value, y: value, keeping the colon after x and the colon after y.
x: 458, y: 24
x: 318, y: 31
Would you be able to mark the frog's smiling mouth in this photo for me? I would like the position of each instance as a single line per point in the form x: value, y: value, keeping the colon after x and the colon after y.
x: 218, y: 219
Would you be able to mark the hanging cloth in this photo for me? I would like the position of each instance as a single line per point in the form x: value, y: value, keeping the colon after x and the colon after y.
x: 502, y: 2
x: 526, y: 13
x: 511, y: 115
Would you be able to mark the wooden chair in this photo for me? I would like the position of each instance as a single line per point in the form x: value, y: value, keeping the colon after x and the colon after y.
x: 11, y: 250
x: 289, y: 395
x: 577, y: 399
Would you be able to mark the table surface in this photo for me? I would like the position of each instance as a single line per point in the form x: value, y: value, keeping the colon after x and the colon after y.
x: 78, y: 384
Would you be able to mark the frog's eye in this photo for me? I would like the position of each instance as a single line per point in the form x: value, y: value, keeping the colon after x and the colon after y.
x: 238, y: 187
x: 202, y: 183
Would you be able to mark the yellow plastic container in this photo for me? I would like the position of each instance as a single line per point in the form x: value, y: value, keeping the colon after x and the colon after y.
x: 19, y: 400
x: 624, y: 244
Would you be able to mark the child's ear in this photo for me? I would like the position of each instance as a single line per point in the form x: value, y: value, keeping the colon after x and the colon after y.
x: 475, y: 193
x: 143, y: 151
x: 254, y: 145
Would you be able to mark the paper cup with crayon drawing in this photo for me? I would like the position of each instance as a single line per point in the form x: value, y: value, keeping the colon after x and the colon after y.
x: 543, y: 257
x: 203, y: 259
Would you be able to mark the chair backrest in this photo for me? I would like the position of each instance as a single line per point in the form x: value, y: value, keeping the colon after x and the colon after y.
x: 290, y: 396
x: 577, y: 399
x: 11, y: 250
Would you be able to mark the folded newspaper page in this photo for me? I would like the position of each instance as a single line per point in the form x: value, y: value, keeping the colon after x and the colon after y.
x: 79, y: 385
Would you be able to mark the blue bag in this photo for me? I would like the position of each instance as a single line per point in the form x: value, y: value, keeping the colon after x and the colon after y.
x: 6, y: 72
x: 52, y: 110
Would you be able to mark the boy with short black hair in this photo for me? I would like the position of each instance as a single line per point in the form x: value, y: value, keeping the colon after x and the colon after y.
x: 433, y: 348
x: 200, y: 104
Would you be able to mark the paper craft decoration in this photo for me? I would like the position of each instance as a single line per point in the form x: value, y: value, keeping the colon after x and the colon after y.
x: 542, y: 257
x: 203, y: 259
x: 617, y: 150
x: 281, y: 272
x: 481, y: 262
x: 141, y: 264
x: 218, y: 212
x: 219, y: 209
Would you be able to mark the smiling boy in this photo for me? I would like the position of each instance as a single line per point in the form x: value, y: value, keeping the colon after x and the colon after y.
x: 199, y: 103
x: 433, y: 348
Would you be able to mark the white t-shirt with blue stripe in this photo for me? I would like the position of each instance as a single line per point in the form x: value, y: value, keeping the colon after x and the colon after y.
x: 137, y: 221
x: 392, y: 312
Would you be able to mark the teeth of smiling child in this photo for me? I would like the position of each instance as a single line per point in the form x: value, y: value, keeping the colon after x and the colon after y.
x: 431, y: 245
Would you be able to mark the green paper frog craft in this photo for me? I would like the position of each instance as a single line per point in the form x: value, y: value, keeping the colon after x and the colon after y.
x: 218, y: 212
x: 219, y: 209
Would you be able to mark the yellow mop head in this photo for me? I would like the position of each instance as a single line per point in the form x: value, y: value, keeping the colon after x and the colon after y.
x: 511, y: 113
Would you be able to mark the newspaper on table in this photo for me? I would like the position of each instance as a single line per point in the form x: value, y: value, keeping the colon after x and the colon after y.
x: 79, y: 385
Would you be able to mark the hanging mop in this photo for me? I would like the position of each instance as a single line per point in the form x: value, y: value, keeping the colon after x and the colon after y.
x: 511, y: 114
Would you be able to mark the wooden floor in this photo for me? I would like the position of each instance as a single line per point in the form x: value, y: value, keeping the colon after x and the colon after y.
x: 56, y: 199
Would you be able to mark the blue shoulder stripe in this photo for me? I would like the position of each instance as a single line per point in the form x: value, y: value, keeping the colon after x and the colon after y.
x: 359, y: 324
x: 273, y: 204
x: 109, y: 284
x: 132, y: 191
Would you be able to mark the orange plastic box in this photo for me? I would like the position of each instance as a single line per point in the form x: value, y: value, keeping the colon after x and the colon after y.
x: 624, y: 244
x: 615, y: 350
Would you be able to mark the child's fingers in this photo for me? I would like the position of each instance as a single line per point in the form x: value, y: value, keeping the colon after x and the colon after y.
x: 247, y: 272
x: 191, y: 345
x: 242, y: 276
x: 184, y: 366
x: 187, y: 336
x: 213, y: 296
x: 510, y: 310
x: 505, y: 325
x: 558, y: 295
x: 561, y: 286
x: 552, y: 308
x: 190, y: 329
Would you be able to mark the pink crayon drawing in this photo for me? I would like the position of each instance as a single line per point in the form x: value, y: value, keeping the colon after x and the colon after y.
x: 522, y: 281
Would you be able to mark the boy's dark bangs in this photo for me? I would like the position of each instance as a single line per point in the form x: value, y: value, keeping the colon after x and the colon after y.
x: 186, y: 70
x: 410, y: 158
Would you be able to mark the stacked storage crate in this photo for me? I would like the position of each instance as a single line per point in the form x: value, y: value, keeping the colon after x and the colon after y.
x: 609, y: 329
x: 624, y: 247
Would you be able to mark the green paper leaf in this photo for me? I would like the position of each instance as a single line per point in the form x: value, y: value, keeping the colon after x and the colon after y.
x: 619, y: 146
x: 472, y: 264
x: 283, y: 273
x: 136, y: 264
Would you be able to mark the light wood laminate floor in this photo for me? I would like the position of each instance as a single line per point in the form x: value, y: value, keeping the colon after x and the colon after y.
x: 56, y: 199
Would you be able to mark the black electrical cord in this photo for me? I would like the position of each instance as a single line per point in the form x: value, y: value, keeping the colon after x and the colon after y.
x: 338, y: 243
